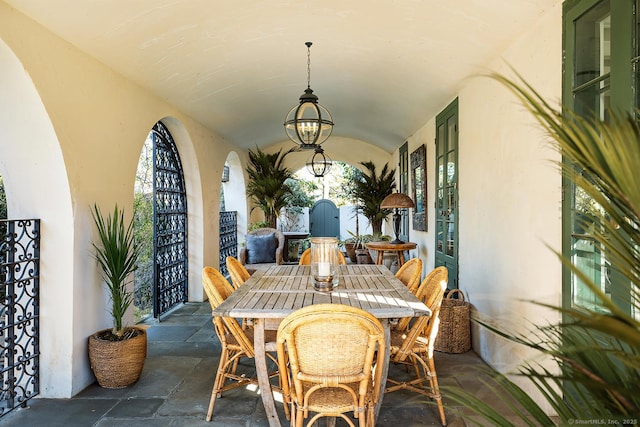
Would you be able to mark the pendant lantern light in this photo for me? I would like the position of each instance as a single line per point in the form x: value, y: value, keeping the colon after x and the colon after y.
x: 308, y: 124
x: 319, y: 164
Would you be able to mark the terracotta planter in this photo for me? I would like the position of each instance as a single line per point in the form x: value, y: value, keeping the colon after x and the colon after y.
x: 117, y: 364
x: 351, y: 251
x: 363, y: 256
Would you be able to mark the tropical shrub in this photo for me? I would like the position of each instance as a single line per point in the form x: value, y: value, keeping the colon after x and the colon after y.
x: 596, y: 348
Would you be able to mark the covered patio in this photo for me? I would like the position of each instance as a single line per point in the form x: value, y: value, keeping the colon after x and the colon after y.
x: 83, y: 83
x: 176, y: 383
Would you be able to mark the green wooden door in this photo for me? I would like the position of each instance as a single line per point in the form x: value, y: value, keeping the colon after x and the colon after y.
x: 447, y: 192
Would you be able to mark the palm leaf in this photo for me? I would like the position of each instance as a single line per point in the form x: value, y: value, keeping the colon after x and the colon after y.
x: 596, y: 349
x: 267, y: 186
x: 117, y: 253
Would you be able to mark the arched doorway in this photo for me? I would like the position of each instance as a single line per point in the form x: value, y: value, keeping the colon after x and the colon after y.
x: 166, y: 195
x: 324, y: 219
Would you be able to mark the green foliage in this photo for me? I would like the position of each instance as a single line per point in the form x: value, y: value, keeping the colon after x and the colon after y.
x: 369, y: 190
x: 267, y: 186
x: 117, y: 254
x: 256, y: 225
x: 299, y: 196
x: 340, y: 192
x: 143, y: 235
x: 596, y: 349
x: 3, y: 200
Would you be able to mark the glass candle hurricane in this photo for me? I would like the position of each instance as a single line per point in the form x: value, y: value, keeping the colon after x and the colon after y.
x: 324, y: 262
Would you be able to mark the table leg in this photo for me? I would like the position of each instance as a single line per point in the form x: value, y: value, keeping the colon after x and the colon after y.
x: 400, y: 258
x: 263, y: 373
x: 385, y: 368
x: 380, y: 257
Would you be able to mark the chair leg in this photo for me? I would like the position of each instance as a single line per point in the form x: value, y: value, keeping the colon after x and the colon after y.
x: 435, y: 389
x: 218, y: 383
x: 299, y: 416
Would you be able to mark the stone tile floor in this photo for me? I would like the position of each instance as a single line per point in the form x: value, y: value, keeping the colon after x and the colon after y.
x: 175, y: 387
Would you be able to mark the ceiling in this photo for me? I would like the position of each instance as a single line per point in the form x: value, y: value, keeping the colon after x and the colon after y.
x: 381, y: 68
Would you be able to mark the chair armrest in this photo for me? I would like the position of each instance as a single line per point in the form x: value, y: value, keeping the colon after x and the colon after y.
x: 242, y: 256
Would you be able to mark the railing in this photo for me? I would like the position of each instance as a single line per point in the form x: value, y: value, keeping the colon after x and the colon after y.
x: 19, y: 312
x: 228, y: 238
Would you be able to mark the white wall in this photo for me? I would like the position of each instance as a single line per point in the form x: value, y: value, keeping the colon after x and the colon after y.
x: 509, y: 194
x: 72, y: 133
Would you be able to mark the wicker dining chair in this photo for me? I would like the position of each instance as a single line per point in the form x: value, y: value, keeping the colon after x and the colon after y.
x: 410, y: 273
x: 305, y: 258
x: 236, y: 343
x: 333, y: 368
x: 413, y: 345
x: 238, y: 273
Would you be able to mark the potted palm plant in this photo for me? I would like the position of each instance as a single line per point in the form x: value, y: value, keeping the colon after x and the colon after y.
x: 267, y: 186
x: 369, y: 190
x: 117, y: 354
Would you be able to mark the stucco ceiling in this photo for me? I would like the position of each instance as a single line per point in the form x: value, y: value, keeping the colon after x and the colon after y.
x: 382, y: 67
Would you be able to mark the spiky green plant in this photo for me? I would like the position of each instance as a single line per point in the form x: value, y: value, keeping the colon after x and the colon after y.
x: 596, y: 349
x: 369, y: 190
x: 117, y: 253
x: 267, y: 186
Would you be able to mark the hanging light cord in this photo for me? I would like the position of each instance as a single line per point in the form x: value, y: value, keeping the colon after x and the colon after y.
x: 308, y: 64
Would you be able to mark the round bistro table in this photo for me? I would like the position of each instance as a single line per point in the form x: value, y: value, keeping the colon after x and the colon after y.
x: 398, y: 248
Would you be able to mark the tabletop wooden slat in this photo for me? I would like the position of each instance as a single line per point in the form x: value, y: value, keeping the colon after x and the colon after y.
x: 280, y: 290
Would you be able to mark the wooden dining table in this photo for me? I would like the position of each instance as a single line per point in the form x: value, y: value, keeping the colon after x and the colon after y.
x: 268, y: 296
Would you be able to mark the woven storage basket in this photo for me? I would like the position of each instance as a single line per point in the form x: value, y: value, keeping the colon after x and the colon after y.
x: 454, y: 335
x: 117, y: 364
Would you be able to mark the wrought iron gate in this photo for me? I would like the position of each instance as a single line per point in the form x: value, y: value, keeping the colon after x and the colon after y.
x: 228, y: 238
x: 170, y: 224
x: 19, y: 312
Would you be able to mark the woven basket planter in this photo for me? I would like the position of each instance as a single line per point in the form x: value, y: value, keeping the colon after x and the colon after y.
x: 454, y: 334
x: 117, y: 364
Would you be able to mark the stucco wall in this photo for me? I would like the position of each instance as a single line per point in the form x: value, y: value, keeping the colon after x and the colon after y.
x: 509, y: 193
x: 72, y: 133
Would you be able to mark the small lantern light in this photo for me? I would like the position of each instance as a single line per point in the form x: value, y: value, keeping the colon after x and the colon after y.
x: 319, y: 164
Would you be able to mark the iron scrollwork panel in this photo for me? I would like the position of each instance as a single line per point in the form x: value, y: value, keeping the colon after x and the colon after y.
x: 19, y: 312
x: 170, y: 224
x: 228, y: 238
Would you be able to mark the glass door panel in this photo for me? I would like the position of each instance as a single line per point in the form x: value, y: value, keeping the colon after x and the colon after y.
x: 447, y: 192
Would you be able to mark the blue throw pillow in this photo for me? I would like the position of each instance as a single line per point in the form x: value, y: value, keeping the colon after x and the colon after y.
x: 261, y: 249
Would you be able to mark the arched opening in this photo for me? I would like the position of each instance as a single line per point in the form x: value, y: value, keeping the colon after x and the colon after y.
x: 160, y: 204
x: 30, y: 151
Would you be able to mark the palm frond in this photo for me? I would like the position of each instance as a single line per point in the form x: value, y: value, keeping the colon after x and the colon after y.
x: 267, y: 186
x: 596, y: 349
x: 117, y: 253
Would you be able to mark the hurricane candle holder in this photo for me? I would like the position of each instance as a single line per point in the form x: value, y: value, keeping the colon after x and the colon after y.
x: 324, y: 263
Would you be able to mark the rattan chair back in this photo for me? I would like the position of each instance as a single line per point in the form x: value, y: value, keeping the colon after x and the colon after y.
x: 238, y: 273
x: 329, y: 352
x: 432, y: 296
x: 235, y: 342
x: 305, y: 258
x: 410, y: 274
x: 427, y: 292
x: 218, y: 289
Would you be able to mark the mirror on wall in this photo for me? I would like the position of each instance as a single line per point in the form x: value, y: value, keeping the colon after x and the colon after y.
x: 419, y: 183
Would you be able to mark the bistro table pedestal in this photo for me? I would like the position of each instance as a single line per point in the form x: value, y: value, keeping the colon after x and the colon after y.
x: 398, y: 248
